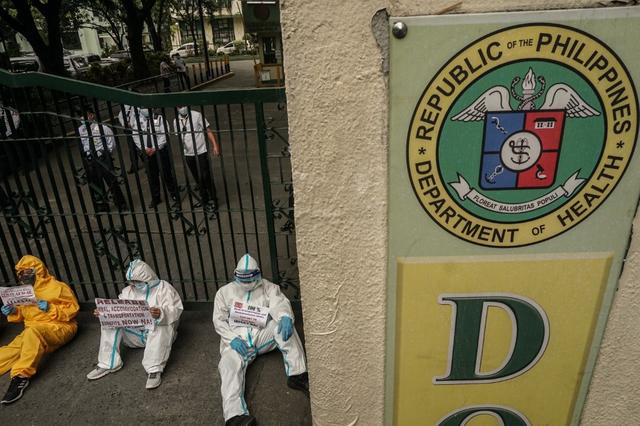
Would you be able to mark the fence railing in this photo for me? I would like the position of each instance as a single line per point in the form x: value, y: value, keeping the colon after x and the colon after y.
x: 195, y: 75
x: 87, y: 212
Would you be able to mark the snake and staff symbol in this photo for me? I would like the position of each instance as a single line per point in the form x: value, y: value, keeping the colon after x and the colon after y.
x: 496, y: 121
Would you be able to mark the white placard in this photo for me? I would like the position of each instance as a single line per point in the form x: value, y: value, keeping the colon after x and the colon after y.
x: 18, y: 295
x: 244, y: 314
x: 116, y: 313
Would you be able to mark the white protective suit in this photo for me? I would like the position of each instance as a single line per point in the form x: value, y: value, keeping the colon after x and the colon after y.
x: 157, y: 342
x: 233, y: 366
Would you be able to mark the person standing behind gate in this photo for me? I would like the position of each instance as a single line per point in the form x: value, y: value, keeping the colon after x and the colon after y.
x: 165, y: 306
x: 9, y: 123
x: 97, y: 145
x: 191, y: 128
x: 181, y: 69
x: 125, y: 117
x: 165, y: 73
x: 150, y: 135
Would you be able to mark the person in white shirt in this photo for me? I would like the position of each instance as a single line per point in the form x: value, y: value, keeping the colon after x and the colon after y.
x: 97, y: 143
x: 9, y: 123
x: 165, y: 307
x: 125, y: 117
x: 151, y: 136
x: 181, y: 69
x: 191, y: 128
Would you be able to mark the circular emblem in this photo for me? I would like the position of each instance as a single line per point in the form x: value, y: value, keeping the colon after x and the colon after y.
x: 520, y: 151
x: 522, y: 135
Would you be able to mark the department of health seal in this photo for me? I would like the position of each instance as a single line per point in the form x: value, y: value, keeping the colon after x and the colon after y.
x: 522, y: 135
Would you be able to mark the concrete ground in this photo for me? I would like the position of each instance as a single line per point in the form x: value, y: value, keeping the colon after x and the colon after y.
x: 189, y: 395
x: 243, y: 77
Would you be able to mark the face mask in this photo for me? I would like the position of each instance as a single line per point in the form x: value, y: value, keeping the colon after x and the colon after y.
x: 139, y: 285
x: 182, y: 111
x: 27, y: 277
x: 145, y: 113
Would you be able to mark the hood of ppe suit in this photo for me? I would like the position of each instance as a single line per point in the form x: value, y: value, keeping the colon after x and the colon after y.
x: 140, y: 271
x: 42, y: 273
x: 63, y: 305
x: 247, y: 273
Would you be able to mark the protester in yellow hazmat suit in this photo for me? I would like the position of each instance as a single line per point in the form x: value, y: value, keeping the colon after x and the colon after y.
x: 47, y: 325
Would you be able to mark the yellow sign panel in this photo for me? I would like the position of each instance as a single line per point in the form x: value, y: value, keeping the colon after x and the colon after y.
x: 494, y: 340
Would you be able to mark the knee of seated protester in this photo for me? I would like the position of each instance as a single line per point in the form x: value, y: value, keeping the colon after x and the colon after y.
x: 229, y: 356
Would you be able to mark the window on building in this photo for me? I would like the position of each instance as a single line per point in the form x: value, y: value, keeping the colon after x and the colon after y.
x: 185, y: 32
x: 223, y: 30
x: 71, y: 40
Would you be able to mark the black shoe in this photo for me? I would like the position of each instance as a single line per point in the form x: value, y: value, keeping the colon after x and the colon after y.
x: 299, y: 382
x: 15, y: 391
x: 243, y: 420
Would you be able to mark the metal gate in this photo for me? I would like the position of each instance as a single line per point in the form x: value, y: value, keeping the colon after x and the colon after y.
x: 56, y: 209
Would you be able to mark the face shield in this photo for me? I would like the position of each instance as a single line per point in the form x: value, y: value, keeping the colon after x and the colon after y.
x: 27, y: 276
x: 248, y: 280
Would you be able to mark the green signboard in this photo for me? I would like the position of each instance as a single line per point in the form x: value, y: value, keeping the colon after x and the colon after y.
x: 512, y: 186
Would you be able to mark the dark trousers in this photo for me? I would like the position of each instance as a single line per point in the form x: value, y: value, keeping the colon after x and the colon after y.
x: 167, y: 84
x: 134, y: 153
x: 160, y: 162
x: 100, y: 171
x: 14, y: 156
x: 199, y: 166
x: 184, y: 79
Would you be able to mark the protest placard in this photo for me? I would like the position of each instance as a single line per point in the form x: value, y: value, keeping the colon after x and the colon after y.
x: 243, y: 314
x: 18, y: 295
x: 116, y: 313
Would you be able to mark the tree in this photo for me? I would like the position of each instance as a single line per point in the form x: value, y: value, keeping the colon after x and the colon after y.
x: 187, y: 11
x: 39, y: 22
x: 134, y: 14
x: 155, y: 21
x: 108, y: 21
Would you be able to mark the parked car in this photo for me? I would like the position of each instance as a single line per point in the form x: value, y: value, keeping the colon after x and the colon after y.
x: 25, y: 64
x: 227, y: 48
x: 76, y: 64
x: 184, y: 50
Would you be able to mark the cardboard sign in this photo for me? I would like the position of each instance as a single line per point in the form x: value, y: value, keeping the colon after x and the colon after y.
x: 116, y: 313
x: 18, y: 295
x: 244, y: 314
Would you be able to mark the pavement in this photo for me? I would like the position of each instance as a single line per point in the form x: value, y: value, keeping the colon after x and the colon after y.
x: 60, y: 394
x: 243, y: 77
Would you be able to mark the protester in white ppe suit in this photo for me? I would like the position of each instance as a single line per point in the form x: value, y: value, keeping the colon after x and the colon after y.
x: 240, y: 344
x: 165, y: 306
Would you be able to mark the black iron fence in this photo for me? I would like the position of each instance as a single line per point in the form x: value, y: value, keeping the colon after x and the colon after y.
x: 195, y: 75
x: 88, y: 192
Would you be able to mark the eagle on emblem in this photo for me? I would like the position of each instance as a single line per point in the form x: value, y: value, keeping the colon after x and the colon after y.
x: 496, y: 99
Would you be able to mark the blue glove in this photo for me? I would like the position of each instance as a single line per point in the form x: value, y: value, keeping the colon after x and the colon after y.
x: 285, y: 328
x: 43, y: 305
x: 240, y: 346
x: 8, y: 310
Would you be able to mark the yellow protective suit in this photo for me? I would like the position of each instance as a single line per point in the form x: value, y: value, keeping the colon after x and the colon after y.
x: 44, y: 332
